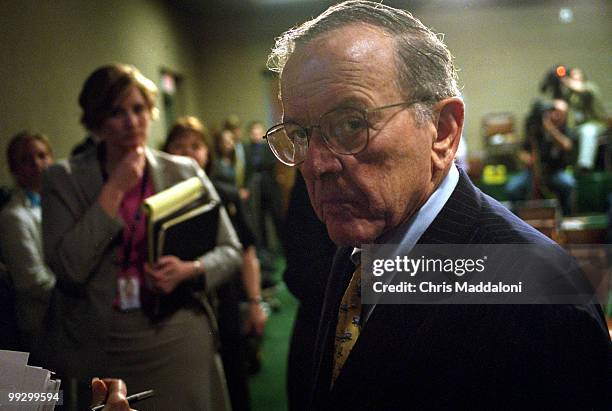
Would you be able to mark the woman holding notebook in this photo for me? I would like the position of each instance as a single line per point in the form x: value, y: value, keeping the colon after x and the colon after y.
x: 105, y: 317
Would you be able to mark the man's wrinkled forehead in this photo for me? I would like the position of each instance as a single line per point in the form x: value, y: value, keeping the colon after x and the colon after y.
x: 337, y: 57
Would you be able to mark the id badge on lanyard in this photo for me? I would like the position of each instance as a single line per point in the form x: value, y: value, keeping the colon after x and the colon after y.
x: 128, y: 286
x: 129, y: 293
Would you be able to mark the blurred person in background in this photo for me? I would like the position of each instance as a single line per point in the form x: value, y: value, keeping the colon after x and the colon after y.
x: 547, y: 152
x: 265, y: 199
x: 586, y: 114
x: 162, y: 335
x: 233, y: 124
x: 28, y: 155
x: 188, y: 137
x: 224, y: 159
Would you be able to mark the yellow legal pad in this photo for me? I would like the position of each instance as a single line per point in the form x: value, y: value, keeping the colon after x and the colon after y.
x: 182, y: 221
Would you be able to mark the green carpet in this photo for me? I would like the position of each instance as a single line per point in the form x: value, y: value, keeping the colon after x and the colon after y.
x: 268, y: 387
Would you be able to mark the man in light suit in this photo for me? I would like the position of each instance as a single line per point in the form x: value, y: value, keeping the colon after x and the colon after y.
x: 372, y: 116
x: 31, y: 281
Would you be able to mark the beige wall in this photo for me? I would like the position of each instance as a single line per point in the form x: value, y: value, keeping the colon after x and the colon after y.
x: 231, y: 81
x: 48, y: 48
x: 233, y: 57
x: 502, y: 53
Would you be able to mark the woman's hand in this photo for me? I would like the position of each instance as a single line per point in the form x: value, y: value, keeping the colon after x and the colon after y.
x: 111, y: 391
x: 256, y: 320
x: 128, y: 171
x: 170, y: 271
x: 122, y: 177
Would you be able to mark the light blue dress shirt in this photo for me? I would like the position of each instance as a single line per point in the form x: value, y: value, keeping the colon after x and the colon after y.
x: 405, y: 236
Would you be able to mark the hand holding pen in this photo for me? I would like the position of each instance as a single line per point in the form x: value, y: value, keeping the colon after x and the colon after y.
x: 109, y: 394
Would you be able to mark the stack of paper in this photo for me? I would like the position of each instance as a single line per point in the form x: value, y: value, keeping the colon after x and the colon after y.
x: 23, y: 387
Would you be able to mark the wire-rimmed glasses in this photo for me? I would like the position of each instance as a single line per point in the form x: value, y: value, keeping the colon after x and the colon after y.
x: 345, y: 131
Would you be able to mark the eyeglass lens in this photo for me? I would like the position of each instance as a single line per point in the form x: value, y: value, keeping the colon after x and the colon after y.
x: 345, y: 131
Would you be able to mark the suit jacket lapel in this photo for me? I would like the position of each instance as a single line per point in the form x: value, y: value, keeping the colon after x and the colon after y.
x: 341, y: 271
x: 455, y: 222
x: 88, y: 179
x: 157, y: 171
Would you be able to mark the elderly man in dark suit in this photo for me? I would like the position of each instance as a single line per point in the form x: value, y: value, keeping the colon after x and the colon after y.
x: 372, y: 116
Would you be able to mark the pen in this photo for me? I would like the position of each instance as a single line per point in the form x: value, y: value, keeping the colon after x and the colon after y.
x: 131, y: 399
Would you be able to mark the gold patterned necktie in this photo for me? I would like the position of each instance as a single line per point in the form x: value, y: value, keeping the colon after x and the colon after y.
x: 349, y: 322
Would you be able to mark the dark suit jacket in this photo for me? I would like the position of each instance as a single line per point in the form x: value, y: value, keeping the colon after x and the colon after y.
x: 309, y: 253
x: 266, y: 163
x: 466, y: 356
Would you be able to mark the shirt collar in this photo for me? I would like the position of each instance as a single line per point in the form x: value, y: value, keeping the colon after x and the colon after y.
x: 33, y: 198
x: 356, y: 256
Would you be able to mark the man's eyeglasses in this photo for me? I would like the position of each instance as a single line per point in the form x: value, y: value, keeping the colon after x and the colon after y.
x: 345, y: 130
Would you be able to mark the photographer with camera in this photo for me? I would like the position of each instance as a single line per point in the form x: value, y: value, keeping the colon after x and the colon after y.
x: 586, y: 114
x: 546, y: 153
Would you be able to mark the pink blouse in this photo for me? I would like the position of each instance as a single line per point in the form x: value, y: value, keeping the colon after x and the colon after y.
x: 134, y: 236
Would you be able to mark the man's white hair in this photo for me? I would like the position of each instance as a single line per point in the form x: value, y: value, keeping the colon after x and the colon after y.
x: 426, y: 72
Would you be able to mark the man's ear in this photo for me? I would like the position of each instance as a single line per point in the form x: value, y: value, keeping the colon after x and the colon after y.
x: 449, y: 128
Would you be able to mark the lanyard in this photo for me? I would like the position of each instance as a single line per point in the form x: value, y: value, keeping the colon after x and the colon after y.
x: 127, y: 245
